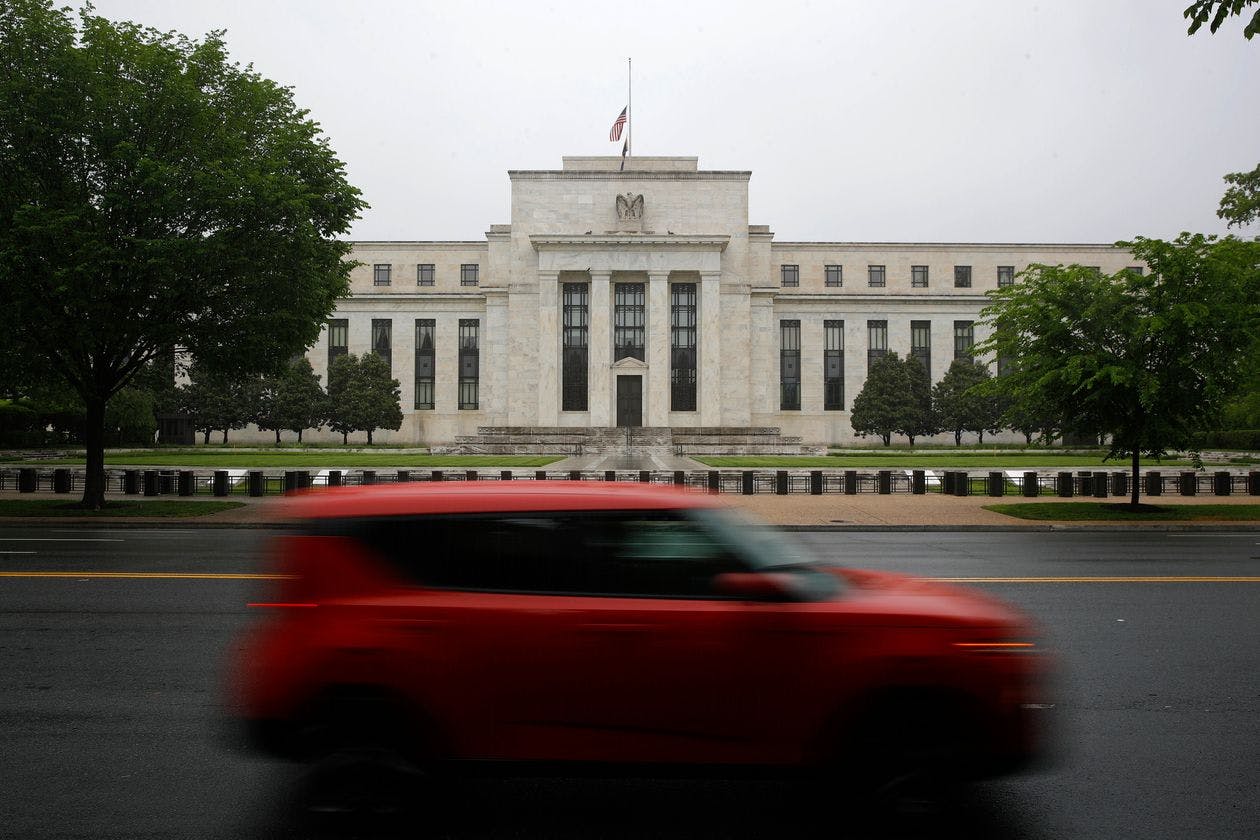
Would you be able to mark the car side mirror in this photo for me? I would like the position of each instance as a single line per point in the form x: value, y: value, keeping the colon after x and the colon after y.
x: 752, y: 586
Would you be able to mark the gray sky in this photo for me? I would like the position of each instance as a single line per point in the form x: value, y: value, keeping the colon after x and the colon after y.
x: 1011, y: 121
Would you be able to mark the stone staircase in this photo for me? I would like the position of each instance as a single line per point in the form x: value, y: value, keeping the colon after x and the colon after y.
x: 639, y: 440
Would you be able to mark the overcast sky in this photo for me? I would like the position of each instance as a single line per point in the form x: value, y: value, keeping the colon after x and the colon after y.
x: 1010, y: 121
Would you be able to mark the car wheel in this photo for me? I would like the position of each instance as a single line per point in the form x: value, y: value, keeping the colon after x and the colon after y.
x: 363, y: 792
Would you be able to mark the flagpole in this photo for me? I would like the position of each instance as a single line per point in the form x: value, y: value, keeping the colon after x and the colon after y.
x: 629, y: 110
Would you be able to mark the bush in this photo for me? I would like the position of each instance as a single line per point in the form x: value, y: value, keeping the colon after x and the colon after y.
x: 1232, y: 439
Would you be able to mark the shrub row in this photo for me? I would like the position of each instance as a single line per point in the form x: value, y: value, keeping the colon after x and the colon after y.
x: 1232, y: 439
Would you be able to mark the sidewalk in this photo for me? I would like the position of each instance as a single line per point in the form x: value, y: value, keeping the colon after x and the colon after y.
x: 866, y: 511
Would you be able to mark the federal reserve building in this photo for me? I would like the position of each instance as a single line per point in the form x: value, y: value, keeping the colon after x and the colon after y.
x: 641, y: 304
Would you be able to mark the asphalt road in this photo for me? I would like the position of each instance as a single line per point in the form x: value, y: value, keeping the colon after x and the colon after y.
x: 109, y: 704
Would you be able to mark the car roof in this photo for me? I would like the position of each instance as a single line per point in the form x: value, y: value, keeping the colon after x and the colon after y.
x: 486, y: 497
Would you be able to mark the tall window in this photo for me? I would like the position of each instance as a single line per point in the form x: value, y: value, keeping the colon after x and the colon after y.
x: 383, y: 339
x: 338, y: 339
x: 918, y: 276
x: 875, y: 276
x: 469, y: 362
x: 424, y: 274
x: 791, y: 276
x: 380, y: 274
x: 833, y: 365
x: 574, y: 346
x: 682, y: 344
x: 628, y: 321
x: 1006, y: 275
x: 877, y: 341
x: 425, y: 330
x: 964, y: 338
x: 833, y: 276
x: 962, y: 277
x: 1136, y: 269
x: 468, y: 274
x: 789, y: 365
x: 921, y: 344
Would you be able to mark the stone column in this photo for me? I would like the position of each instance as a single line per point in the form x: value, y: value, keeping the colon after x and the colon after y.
x: 657, y: 397
x: 599, y: 377
x: 494, y: 359
x: 710, y: 340
x: 548, y: 347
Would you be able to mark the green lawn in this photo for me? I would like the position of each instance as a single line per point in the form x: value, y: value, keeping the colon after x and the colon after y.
x: 56, y: 507
x: 928, y: 460
x: 224, y: 459
x: 1116, y: 512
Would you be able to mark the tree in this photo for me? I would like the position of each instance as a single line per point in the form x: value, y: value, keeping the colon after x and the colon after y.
x: 958, y: 407
x: 882, y: 406
x: 217, y: 401
x: 920, y: 415
x: 362, y: 396
x: 300, y: 403
x: 1216, y: 11
x: 156, y: 195
x: 341, y: 414
x: 1240, y: 206
x: 1029, y: 419
x: 129, y: 416
x: 1146, y: 359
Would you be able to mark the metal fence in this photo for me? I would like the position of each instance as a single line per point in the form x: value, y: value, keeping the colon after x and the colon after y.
x: 1095, y: 483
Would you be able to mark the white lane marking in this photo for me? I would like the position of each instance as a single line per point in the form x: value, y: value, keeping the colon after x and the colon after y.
x: 17, y: 552
x: 59, y: 539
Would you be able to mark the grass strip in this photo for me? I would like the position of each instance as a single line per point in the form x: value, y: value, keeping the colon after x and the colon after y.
x: 168, y: 507
x: 1121, y: 512
x: 932, y: 460
x: 296, y: 460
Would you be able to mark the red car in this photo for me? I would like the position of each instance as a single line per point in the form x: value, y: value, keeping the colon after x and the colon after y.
x: 621, y: 627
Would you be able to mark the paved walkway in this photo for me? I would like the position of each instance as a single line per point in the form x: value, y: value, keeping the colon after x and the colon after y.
x: 874, y: 511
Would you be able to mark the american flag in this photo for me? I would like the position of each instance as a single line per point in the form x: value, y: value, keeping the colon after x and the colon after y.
x: 619, y: 124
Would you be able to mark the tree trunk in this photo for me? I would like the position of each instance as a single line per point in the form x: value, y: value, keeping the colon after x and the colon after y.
x: 206, y: 439
x: 277, y: 437
x: 299, y: 435
x: 957, y: 437
x: 94, y: 439
x: 911, y: 439
x: 225, y: 431
x: 369, y: 431
x: 981, y: 433
x: 1133, y: 493
x: 1027, y: 438
x: 345, y: 438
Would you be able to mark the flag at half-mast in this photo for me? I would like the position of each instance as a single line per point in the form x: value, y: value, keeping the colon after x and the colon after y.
x: 618, y: 125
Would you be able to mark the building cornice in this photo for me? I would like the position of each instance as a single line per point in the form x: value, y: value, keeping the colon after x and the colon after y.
x: 412, y: 297
x: 942, y: 246
x: 597, y: 241
x: 612, y: 175
x: 868, y: 299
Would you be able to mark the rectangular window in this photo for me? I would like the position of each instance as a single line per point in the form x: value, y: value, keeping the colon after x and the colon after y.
x: 383, y: 339
x: 338, y: 339
x: 875, y: 276
x: 424, y: 274
x: 468, y: 274
x: 877, y: 341
x: 1094, y: 269
x: 629, y: 318
x: 789, y: 365
x: 964, y: 338
x: 576, y: 311
x: 833, y: 276
x: 962, y: 277
x: 1004, y: 366
x: 425, y: 361
x: 1136, y: 269
x: 921, y: 344
x: 791, y: 276
x: 380, y: 274
x: 1006, y: 276
x: 918, y: 276
x: 682, y: 345
x: 469, y: 362
x: 833, y: 365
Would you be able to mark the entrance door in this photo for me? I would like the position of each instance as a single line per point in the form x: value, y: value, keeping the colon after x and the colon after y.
x: 629, y: 400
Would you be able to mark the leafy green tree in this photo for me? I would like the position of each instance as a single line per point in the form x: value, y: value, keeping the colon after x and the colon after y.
x: 1146, y: 359
x: 129, y: 416
x: 1215, y: 12
x: 156, y: 195
x: 299, y: 403
x: 1030, y: 420
x: 362, y: 396
x: 341, y: 416
x: 958, y: 407
x: 218, y: 401
x: 920, y: 415
x: 1240, y: 206
x: 884, y: 403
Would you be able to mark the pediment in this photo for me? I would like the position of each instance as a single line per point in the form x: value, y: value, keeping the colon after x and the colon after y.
x: 629, y: 363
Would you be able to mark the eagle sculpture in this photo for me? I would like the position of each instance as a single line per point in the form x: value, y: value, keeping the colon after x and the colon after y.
x: 629, y: 206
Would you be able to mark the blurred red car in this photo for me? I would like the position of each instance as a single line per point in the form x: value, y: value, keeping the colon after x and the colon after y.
x: 623, y: 627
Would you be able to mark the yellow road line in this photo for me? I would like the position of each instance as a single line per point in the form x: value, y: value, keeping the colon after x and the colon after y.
x: 1106, y: 579
x: 145, y: 575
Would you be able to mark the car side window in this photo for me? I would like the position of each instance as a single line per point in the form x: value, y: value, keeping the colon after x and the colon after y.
x: 656, y: 554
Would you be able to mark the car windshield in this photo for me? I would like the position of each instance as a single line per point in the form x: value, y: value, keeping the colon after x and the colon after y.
x: 770, y: 550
